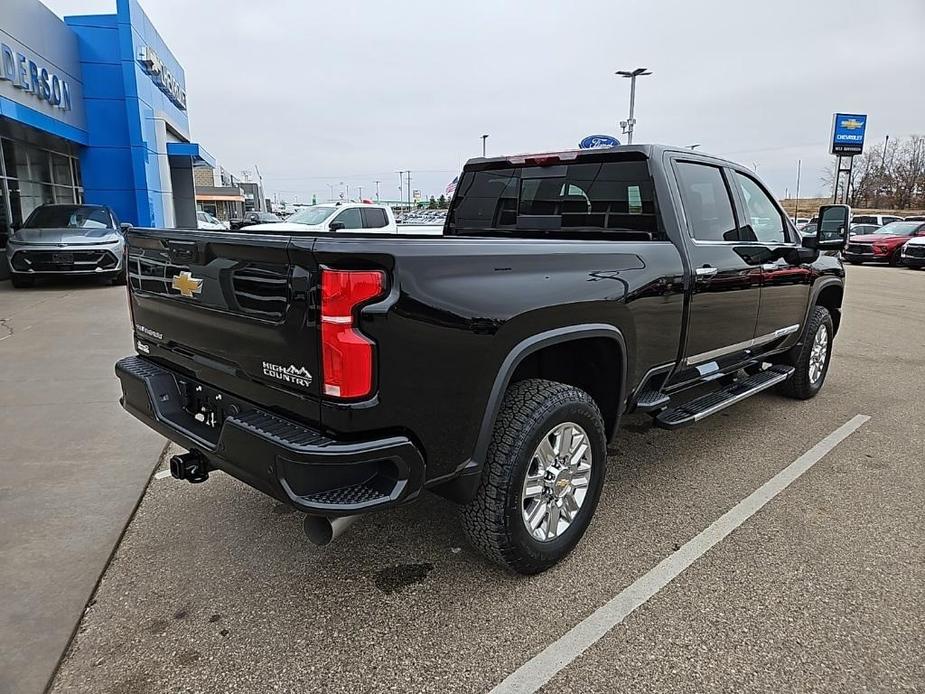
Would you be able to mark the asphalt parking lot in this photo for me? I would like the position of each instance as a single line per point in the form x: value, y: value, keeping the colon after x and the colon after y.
x: 215, y: 589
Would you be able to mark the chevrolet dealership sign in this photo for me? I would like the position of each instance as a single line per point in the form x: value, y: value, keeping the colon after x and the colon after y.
x: 848, y: 133
x: 162, y: 77
x: 33, y: 77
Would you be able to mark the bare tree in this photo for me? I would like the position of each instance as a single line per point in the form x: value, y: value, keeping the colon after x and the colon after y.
x: 891, y: 176
x: 909, y: 172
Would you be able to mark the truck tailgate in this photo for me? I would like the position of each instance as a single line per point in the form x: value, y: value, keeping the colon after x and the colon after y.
x: 231, y: 310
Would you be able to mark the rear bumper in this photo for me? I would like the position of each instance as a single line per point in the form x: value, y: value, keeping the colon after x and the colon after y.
x: 277, y: 456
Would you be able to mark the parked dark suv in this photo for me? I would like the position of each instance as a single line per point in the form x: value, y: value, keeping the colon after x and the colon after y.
x: 255, y: 218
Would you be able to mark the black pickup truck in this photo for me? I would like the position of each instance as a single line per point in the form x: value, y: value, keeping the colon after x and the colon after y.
x: 345, y: 373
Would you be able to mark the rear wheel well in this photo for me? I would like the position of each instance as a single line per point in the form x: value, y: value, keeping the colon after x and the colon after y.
x: 593, y: 364
x: 831, y: 297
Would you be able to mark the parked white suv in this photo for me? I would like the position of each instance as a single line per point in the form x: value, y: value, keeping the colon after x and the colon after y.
x: 348, y: 216
x: 913, y: 253
x: 878, y: 219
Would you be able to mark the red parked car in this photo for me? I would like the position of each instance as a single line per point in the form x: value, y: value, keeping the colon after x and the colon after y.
x: 884, y: 245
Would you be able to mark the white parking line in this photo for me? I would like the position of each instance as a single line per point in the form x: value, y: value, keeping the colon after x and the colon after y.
x: 537, y: 671
x: 162, y: 474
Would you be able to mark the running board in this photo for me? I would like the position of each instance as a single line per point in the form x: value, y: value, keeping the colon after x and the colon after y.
x: 651, y: 399
x: 711, y: 403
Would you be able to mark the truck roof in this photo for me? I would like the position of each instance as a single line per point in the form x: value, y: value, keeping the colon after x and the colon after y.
x: 648, y: 151
x: 347, y: 203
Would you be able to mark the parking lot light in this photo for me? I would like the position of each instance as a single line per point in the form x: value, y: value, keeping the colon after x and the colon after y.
x: 630, y: 123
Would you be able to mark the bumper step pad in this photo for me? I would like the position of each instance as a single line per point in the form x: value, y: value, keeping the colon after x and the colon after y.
x: 711, y: 403
x: 278, y: 456
x: 355, y: 495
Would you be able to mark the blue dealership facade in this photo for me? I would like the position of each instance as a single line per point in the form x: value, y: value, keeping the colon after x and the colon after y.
x: 93, y: 109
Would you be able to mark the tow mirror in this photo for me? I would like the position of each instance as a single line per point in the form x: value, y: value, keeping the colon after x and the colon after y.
x: 832, y: 229
x: 125, y: 226
x: 337, y: 226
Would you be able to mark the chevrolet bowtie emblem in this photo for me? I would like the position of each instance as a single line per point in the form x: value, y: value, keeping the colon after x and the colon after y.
x: 186, y: 284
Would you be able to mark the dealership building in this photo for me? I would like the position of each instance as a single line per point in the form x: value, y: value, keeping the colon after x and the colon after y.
x: 93, y: 109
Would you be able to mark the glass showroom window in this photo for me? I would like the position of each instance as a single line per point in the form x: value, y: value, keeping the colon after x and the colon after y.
x: 31, y: 176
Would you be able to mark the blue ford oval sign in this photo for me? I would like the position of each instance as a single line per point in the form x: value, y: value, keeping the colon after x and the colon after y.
x: 595, y: 141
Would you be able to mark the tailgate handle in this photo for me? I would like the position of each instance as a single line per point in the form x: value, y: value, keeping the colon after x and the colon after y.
x: 183, y: 251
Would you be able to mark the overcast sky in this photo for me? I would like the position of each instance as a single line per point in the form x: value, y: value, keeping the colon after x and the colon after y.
x: 317, y: 92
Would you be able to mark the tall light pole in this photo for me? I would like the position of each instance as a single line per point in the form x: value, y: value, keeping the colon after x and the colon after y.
x: 630, y: 123
x: 484, y: 137
x: 331, y: 186
x: 360, y: 193
x: 377, y: 191
x: 400, y: 196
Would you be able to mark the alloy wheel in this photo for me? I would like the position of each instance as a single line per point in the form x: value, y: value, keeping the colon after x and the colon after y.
x: 557, y: 481
x: 818, y: 354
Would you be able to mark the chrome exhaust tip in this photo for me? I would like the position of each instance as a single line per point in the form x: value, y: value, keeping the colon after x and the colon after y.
x: 323, y: 531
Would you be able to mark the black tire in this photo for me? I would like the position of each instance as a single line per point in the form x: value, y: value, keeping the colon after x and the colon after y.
x: 855, y: 262
x: 800, y: 385
x: 896, y: 258
x: 22, y: 282
x: 493, y: 520
x: 119, y: 279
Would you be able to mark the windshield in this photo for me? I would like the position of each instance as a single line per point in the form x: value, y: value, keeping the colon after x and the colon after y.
x: 69, y: 217
x: 899, y: 229
x: 312, y: 215
x: 268, y: 217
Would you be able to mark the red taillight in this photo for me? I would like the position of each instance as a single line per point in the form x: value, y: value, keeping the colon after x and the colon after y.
x: 347, y: 355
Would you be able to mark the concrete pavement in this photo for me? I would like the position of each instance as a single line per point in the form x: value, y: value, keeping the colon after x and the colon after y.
x: 72, y: 465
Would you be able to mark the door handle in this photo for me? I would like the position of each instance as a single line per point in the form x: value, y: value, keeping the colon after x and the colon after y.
x: 770, y: 266
x: 706, y: 271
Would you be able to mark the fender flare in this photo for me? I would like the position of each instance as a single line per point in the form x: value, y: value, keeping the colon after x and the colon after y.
x: 463, y: 483
x: 814, y: 298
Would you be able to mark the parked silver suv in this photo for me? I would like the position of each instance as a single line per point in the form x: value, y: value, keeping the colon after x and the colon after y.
x: 67, y: 240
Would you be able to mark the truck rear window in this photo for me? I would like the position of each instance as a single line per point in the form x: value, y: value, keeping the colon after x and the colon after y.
x: 564, y: 199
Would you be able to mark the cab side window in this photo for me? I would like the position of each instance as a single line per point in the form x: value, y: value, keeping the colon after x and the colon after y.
x: 374, y: 218
x: 764, y: 222
x: 707, y: 204
x: 350, y: 218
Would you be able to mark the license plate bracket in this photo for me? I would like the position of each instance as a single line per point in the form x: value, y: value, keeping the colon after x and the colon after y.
x: 62, y: 258
x: 207, y: 406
